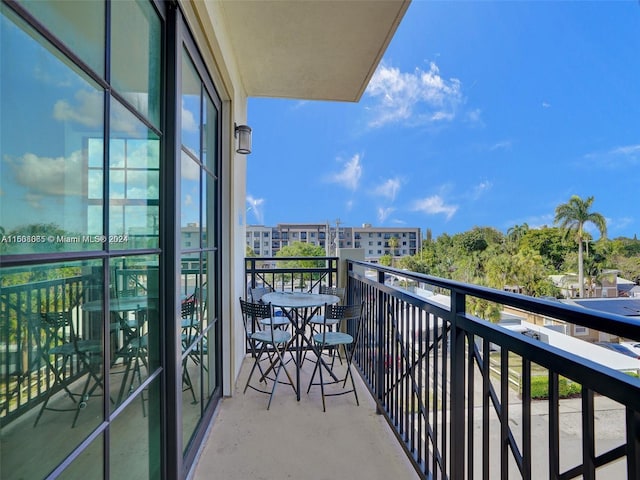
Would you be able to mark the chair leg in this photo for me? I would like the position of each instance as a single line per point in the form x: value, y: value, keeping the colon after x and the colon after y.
x: 281, y: 366
x: 322, y: 365
x: 256, y: 363
x: 324, y: 406
x: 186, y: 379
x: 57, y: 381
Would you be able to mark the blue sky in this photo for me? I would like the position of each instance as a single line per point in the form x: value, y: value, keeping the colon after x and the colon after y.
x: 480, y: 114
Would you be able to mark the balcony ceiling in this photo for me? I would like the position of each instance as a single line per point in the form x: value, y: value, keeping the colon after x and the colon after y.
x: 310, y: 49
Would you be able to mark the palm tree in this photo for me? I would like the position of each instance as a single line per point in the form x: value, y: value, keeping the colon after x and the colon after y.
x: 515, y: 234
x: 394, y: 243
x: 571, y: 217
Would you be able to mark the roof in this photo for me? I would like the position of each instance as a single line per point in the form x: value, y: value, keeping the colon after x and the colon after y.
x: 314, y: 49
x: 596, y: 353
x: 629, y: 307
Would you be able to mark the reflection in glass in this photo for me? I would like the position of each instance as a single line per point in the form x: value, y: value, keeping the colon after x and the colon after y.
x: 88, y: 466
x: 134, y: 182
x: 191, y: 117
x: 210, y: 325
x: 190, y: 204
x: 134, y: 324
x: 50, y: 173
x: 210, y: 136
x: 209, y: 208
x: 51, y: 376
x: 135, y: 438
x: 135, y: 56
x: 80, y: 25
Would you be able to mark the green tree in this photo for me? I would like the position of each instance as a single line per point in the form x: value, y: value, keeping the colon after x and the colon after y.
x: 550, y: 243
x: 385, y: 260
x: 572, y: 217
x: 514, y: 235
x: 301, y: 249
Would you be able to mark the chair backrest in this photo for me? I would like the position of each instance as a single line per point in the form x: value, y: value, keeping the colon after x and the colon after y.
x: 256, y: 293
x: 337, y: 291
x: 56, y: 327
x: 345, y: 314
x: 252, y: 313
x: 127, y: 292
x: 188, y: 308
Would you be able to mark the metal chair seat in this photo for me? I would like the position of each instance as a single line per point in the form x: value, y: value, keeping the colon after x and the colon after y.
x: 275, y: 337
x: 332, y: 339
x: 275, y: 322
x: 319, y: 320
x: 270, y: 344
x: 340, y: 316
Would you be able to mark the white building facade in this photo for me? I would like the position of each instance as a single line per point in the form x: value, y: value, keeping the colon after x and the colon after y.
x: 375, y: 241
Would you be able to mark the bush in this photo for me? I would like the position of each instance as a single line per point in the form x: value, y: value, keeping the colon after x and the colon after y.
x: 540, y: 387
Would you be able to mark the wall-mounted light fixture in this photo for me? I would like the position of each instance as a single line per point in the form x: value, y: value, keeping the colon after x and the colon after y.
x: 243, y: 134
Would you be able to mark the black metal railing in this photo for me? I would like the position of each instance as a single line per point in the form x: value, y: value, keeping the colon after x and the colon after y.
x: 291, y: 273
x: 304, y: 274
x: 24, y: 378
x: 444, y: 380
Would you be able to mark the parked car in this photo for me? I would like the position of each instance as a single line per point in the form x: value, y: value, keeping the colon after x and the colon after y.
x: 633, y: 346
x: 617, y: 347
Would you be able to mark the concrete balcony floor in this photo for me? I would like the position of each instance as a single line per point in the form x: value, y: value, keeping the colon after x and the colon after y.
x: 297, y: 439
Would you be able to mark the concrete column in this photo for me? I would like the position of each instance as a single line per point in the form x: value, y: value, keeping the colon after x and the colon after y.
x: 343, y: 255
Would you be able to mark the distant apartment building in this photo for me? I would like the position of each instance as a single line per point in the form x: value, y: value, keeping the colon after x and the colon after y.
x: 259, y: 239
x: 375, y: 241
x: 191, y: 235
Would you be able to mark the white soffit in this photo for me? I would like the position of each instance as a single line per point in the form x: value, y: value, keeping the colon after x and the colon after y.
x: 310, y: 49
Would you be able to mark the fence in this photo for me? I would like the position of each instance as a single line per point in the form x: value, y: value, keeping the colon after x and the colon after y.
x: 426, y: 360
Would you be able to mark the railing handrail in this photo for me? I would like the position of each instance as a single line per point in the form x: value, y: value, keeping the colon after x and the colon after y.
x: 617, y: 324
x: 430, y: 397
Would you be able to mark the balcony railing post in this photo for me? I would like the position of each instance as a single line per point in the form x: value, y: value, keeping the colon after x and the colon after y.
x: 380, y: 342
x: 633, y: 444
x: 457, y: 392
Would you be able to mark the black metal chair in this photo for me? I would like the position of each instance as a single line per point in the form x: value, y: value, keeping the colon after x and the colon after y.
x: 271, y: 341
x: 256, y: 293
x: 58, y: 345
x: 337, y: 316
x: 188, y: 323
x: 316, y: 322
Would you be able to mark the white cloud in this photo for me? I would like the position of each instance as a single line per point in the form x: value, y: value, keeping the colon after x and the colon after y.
x: 349, y: 176
x: 434, y: 205
x: 622, y: 156
x: 481, y: 188
x: 619, y: 223
x: 474, y: 116
x: 189, y: 169
x: 42, y: 176
x: 389, y: 188
x: 87, y: 111
x: 383, y: 213
x: 256, y: 207
x: 546, y: 105
x: 626, y: 150
x: 189, y: 123
x: 419, y: 97
x: 502, y: 145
